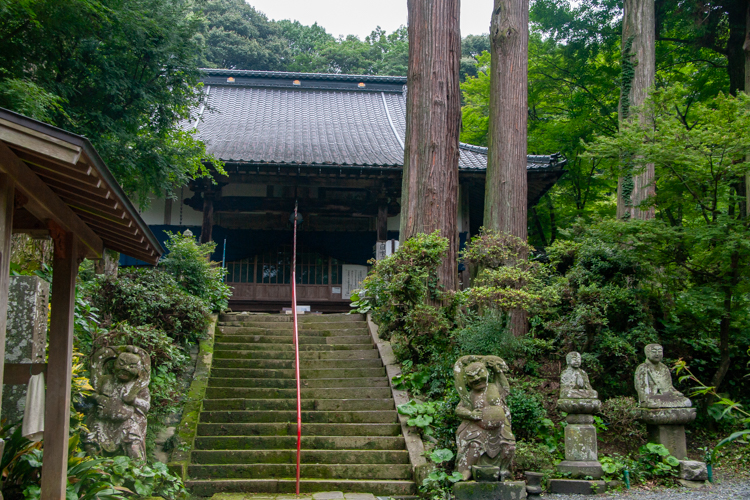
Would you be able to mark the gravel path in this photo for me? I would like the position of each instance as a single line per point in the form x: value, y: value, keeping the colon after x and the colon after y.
x: 731, y: 489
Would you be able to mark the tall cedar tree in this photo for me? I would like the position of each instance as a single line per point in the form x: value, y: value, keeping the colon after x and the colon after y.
x: 429, y: 199
x: 506, y: 190
x: 638, y: 73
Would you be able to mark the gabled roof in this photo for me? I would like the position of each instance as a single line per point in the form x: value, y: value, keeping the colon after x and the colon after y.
x: 266, y: 117
x: 47, y: 162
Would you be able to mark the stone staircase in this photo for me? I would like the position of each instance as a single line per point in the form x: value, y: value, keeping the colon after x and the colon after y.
x: 247, y: 433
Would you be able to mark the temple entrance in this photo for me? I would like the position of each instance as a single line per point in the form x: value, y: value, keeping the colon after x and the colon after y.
x: 262, y: 282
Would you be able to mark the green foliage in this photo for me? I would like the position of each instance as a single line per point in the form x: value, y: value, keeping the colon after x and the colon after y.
x: 123, y: 74
x: 489, y: 335
x: 163, y: 352
x: 615, y: 465
x: 533, y: 456
x: 151, y: 297
x: 411, y: 309
x: 420, y: 415
x: 188, y: 261
x: 655, y: 462
x: 437, y: 485
x: 620, y: 417
x: 145, y: 480
x: 527, y: 413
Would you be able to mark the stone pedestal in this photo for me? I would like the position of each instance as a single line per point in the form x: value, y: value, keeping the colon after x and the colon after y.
x: 666, y: 426
x: 506, y: 490
x: 577, y: 487
x: 581, y: 454
x: 25, y: 335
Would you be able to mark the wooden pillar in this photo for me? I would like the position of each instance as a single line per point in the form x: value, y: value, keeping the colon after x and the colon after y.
x: 382, y: 224
x: 57, y: 403
x: 208, y: 217
x: 463, y: 194
x: 168, y: 212
x: 7, y: 189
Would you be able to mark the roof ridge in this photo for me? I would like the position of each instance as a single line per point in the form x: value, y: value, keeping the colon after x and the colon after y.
x: 298, y: 75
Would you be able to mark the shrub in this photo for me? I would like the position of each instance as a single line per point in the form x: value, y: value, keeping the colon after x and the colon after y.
x: 151, y: 296
x: 533, y: 456
x: 489, y: 336
x: 621, y: 420
x: 527, y: 414
x: 189, y: 263
x: 154, y: 340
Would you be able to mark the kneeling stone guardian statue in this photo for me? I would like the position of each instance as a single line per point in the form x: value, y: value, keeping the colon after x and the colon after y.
x: 120, y: 377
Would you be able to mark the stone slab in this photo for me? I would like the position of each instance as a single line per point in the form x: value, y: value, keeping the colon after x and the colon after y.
x: 328, y: 495
x: 693, y: 470
x: 671, y: 436
x: 577, y: 487
x: 581, y: 469
x: 694, y: 485
x: 580, y: 443
x: 507, y: 490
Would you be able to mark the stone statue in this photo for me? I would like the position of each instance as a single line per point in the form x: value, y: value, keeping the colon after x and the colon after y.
x: 653, y: 381
x: 580, y: 401
x: 574, y: 382
x: 120, y: 376
x: 486, y: 444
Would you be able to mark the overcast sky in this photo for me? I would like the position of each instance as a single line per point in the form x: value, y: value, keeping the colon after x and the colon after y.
x: 360, y: 17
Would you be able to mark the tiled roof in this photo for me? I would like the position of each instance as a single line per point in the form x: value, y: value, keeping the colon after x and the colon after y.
x: 313, y: 119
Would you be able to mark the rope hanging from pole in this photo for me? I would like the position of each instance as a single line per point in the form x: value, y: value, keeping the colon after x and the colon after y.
x: 296, y: 344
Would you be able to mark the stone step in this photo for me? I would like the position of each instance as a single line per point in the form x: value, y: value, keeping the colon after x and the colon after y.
x: 301, y: 318
x: 304, y: 365
x: 291, y: 394
x: 306, y: 457
x: 227, y: 344
x: 303, y: 355
x: 305, y: 373
x: 317, y: 443
x: 308, y: 417
x: 291, y: 404
x: 290, y: 429
x: 386, y: 488
x: 287, y: 339
x: 288, y: 328
x: 290, y: 383
x: 309, y: 471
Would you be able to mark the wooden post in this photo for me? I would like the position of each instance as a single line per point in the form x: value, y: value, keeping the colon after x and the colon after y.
x: 57, y: 403
x: 208, y: 217
x: 382, y: 225
x: 463, y: 200
x: 168, y: 211
x: 7, y: 190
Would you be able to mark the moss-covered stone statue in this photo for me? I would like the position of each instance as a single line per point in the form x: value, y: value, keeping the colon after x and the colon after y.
x: 120, y: 377
x: 653, y: 382
x: 486, y: 445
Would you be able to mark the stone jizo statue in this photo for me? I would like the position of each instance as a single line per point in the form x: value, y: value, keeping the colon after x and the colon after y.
x: 653, y: 381
x: 120, y: 376
x: 574, y: 382
x: 486, y: 444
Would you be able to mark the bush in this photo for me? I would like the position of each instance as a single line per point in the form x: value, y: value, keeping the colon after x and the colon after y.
x: 155, y: 341
x: 533, y: 456
x: 527, y: 414
x: 189, y: 263
x: 489, y: 336
x: 620, y: 417
x: 151, y: 296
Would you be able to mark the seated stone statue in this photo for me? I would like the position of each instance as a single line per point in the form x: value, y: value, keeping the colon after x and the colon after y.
x: 120, y: 376
x: 653, y: 381
x: 484, y: 437
x: 574, y: 382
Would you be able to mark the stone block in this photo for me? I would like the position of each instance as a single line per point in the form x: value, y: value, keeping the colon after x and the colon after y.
x: 507, y: 490
x: 671, y: 436
x: 25, y: 336
x: 666, y: 416
x: 328, y: 495
x: 580, y: 443
x: 576, y: 487
x: 581, y: 469
x: 579, y: 418
x: 694, y: 485
x: 693, y: 470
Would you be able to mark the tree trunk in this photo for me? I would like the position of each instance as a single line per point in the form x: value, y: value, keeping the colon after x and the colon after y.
x: 638, y: 73
x: 109, y: 264
x: 429, y: 192
x: 506, y: 190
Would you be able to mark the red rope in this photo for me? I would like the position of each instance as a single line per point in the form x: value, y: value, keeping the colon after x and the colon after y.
x: 296, y: 344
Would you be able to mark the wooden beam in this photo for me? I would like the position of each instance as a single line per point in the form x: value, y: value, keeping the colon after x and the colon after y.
x: 45, y: 204
x: 208, y: 217
x: 7, y: 197
x: 20, y: 373
x: 382, y: 224
x: 57, y: 402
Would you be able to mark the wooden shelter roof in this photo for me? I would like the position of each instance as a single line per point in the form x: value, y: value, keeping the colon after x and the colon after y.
x: 61, y: 178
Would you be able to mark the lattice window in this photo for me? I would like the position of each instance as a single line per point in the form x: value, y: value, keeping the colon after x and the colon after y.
x: 275, y: 267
